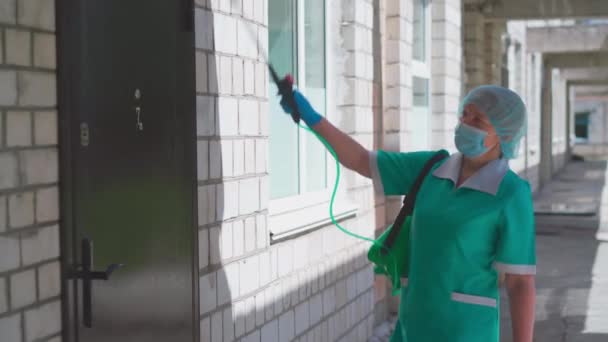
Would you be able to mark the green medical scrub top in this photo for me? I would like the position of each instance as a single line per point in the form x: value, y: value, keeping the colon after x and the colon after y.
x: 461, y: 238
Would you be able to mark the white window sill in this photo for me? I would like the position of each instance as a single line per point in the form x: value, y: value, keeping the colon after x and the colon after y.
x: 293, y: 216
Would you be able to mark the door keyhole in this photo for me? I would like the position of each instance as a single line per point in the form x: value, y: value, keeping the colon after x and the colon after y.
x: 140, y: 124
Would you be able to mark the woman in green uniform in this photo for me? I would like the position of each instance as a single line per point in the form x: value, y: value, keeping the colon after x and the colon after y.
x: 473, y: 221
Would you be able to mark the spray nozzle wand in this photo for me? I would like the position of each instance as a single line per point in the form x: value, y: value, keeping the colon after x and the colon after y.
x: 285, y: 87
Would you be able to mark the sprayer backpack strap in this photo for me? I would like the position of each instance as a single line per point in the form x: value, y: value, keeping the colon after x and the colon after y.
x: 410, y: 200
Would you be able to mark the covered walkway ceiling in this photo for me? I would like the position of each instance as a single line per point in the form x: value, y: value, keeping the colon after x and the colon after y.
x: 577, y: 59
x: 538, y: 9
x: 585, y: 73
x: 592, y: 92
x: 589, y: 83
x: 577, y: 38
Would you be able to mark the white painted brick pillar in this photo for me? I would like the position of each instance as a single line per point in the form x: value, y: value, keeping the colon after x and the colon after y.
x: 473, y: 48
x: 30, y: 307
x: 546, y: 136
x: 397, y: 103
x: 398, y: 96
x: 493, y: 51
x: 446, y: 71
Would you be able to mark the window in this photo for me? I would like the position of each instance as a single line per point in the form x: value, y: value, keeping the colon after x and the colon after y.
x: 421, y: 111
x: 421, y: 30
x: 581, y: 128
x: 297, y: 46
x: 299, y: 168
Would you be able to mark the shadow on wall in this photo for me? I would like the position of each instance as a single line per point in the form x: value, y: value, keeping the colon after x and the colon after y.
x: 215, y: 307
x: 264, y: 294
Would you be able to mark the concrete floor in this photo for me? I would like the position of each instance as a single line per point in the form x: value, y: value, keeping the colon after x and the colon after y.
x: 572, y: 279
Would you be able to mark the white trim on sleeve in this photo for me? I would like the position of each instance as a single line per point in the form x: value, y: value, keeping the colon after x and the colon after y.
x: 375, y: 171
x: 515, y: 269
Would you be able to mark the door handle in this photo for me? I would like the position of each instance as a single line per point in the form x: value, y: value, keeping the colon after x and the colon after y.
x: 87, y: 275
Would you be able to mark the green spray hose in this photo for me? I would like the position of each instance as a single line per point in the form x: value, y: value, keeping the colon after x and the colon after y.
x: 285, y: 87
x: 394, y: 273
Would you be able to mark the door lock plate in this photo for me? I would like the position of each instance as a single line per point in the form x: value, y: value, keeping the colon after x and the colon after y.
x: 84, y: 134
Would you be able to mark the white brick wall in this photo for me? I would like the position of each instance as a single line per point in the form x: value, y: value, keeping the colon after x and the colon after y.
x: 270, y: 332
x: 21, y: 209
x: 227, y: 116
x: 8, y: 12
x: 228, y: 325
x: 37, y: 14
x: 286, y: 326
x: 10, y: 327
x: 49, y: 284
x: 10, y: 252
x: 37, y: 89
x: 43, y: 321
x: 45, y: 128
x: 18, y: 47
x: 39, y: 166
x: 3, y: 296
x: 226, y: 241
x: 205, y: 329
x: 44, y: 50
x: 248, y: 117
x: 217, y: 328
x: 208, y: 293
x: 239, y: 238
x: 40, y: 245
x: 23, y: 288
x: 8, y: 88
x: 247, y: 36
x: 225, y: 28
x: 203, y: 248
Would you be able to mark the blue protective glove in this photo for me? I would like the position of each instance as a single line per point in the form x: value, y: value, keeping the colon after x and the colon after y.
x: 307, y: 113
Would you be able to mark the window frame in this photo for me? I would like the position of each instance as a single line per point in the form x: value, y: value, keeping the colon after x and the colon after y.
x: 422, y: 69
x: 292, y: 216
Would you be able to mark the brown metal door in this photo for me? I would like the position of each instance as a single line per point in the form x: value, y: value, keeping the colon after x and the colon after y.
x: 130, y: 265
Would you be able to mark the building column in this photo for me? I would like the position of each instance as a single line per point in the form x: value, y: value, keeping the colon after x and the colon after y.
x: 483, y: 48
x: 492, y: 48
x: 397, y: 98
x: 569, y: 119
x: 605, y: 120
x: 446, y: 72
x: 546, y: 137
x: 473, y: 37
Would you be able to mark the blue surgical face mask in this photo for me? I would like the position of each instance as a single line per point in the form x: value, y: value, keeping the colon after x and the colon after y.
x: 469, y: 140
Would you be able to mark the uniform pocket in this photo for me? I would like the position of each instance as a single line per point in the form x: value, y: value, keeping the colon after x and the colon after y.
x: 473, y: 318
x: 475, y: 300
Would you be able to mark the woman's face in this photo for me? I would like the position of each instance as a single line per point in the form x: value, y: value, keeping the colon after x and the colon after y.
x: 472, y: 116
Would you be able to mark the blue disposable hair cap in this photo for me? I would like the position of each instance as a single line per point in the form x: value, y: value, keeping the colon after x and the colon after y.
x: 506, y: 111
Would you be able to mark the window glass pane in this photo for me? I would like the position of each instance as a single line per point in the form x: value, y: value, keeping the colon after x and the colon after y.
x: 421, y: 92
x: 421, y: 114
x: 283, y: 139
x: 314, y: 32
x: 420, y: 31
